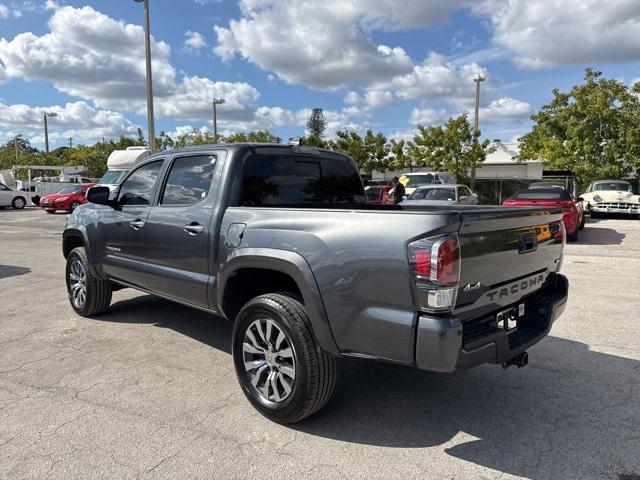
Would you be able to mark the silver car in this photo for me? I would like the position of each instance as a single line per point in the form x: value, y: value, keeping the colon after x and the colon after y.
x: 444, y: 194
x: 12, y: 198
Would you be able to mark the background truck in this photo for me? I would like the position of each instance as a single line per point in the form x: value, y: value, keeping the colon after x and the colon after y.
x: 120, y: 162
x: 279, y: 240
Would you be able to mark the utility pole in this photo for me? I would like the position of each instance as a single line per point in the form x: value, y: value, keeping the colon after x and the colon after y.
x: 477, y: 79
x: 15, y: 144
x: 216, y: 101
x: 46, y: 130
x: 147, y: 43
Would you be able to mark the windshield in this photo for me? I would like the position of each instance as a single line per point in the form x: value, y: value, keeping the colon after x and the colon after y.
x: 414, y: 181
x: 624, y: 186
x: 112, y: 177
x: 448, y: 194
x: 71, y: 189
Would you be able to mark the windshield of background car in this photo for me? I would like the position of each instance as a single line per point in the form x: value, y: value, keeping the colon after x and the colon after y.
x: 624, y: 186
x: 372, y: 193
x: 447, y: 194
x: 539, y: 194
x: 413, y: 181
x: 71, y: 189
x: 112, y: 177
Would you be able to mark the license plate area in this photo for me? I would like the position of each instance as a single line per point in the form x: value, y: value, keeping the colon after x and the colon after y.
x: 507, y: 320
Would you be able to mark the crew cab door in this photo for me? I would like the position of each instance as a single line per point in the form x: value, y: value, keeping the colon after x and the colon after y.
x: 178, y: 235
x: 121, y: 232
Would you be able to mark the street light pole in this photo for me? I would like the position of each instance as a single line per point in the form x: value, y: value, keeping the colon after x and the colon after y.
x: 216, y: 101
x: 147, y: 43
x: 477, y: 79
x: 46, y: 130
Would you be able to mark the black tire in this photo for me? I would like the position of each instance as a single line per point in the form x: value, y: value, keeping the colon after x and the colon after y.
x: 50, y: 211
x: 73, y: 206
x: 584, y: 217
x: 97, y: 292
x: 574, y: 236
x: 19, y: 203
x: 315, y: 370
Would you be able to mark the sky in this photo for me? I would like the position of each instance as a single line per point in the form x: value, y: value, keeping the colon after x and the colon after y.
x: 380, y: 64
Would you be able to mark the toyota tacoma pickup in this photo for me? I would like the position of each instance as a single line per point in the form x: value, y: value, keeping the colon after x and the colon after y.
x: 280, y: 241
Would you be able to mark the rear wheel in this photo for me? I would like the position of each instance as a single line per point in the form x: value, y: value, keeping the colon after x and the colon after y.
x: 582, y: 222
x: 74, y: 205
x: 574, y: 236
x: 281, y: 370
x: 50, y: 211
x: 88, y: 294
x: 18, y: 203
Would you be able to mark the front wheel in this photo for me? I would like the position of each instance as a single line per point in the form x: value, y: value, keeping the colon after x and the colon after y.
x: 88, y: 294
x: 281, y: 370
x: 18, y: 203
x: 74, y: 205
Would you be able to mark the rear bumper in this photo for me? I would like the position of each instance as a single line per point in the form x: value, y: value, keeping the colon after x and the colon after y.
x: 444, y: 344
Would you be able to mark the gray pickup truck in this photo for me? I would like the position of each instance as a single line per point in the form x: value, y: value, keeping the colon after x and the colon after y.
x: 279, y: 240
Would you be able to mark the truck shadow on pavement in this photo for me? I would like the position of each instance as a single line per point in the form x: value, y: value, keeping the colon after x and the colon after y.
x: 572, y: 413
x: 7, y: 271
x: 196, y: 324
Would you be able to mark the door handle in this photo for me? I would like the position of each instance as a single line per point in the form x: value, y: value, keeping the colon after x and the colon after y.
x: 193, y: 229
x: 137, y: 224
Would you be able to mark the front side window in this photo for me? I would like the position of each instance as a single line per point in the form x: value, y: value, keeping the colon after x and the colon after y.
x: 373, y: 194
x: 138, y: 188
x: 464, y: 192
x: 189, y: 180
x: 306, y: 180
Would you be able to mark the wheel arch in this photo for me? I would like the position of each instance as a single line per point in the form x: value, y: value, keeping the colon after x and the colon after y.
x: 282, y: 268
x: 73, y: 238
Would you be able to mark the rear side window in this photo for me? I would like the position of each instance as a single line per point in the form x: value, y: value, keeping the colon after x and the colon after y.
x: 308, y: 180
x: 189, y: 180
x: 138, y: 188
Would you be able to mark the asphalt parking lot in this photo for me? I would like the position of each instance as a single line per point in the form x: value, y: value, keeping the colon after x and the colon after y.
x: 148, y: 389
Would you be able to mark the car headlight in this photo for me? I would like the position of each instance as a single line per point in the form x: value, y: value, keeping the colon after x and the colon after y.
x: 61, y: 199
x: 597, y: 198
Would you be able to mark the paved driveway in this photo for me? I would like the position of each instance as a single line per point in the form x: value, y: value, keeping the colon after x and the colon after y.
x: 148, y: 389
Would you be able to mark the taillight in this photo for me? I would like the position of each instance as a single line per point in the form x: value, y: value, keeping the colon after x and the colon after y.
x: 435, y: 264
x: 567, y: 207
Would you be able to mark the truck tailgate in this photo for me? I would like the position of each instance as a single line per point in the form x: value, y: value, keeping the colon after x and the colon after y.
x: 506, y: 254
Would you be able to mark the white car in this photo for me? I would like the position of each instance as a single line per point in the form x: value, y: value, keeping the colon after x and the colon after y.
x: 611, y: 196
x: 443, y: 194
x: 12, y: 198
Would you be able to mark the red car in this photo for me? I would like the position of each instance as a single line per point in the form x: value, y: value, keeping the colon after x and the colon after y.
x: 573, y: 214
x: 69, y: 198
x: 378, y: 194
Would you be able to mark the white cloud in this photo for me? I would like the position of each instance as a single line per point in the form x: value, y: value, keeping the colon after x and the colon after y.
x: 325, y: 44
x: 427, y: 116
x: 4, y: 11
x: 505, y: 109
x: 194, y: 42
x: 75, y: 119
x: 551, y: 33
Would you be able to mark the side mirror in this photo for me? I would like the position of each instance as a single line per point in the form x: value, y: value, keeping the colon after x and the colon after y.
x: 99, y: 195
x: 580, y: 199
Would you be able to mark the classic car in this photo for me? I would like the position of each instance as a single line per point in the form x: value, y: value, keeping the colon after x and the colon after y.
x: 611, y: 196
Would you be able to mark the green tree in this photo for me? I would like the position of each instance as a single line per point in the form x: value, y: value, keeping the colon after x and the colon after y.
x: 592, y: 130
x: 260, y: 136
x: 316, y: 125
x: 370, y: 152
x: 399, y: 158
x: 453, y: 147
x: 194, y: 137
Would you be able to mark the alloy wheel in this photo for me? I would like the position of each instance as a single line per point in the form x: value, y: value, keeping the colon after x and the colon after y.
x: 269, y: 360
x: 77, y: 283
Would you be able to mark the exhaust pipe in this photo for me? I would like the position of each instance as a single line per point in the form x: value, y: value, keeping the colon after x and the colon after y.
x: 519, y: 361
